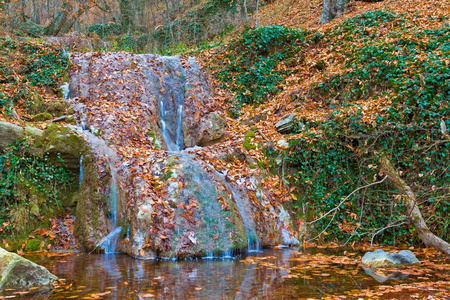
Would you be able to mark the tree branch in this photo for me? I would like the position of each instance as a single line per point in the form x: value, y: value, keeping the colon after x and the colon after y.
x: 345, y: 199
x: 414, y: 214
x: 383, y: 229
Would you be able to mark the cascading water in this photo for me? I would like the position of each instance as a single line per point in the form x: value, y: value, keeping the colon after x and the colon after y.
x: 65, y: 90
x: 110, y: 241
x: 249, y: 225
x: 113, y: 197
x: 169, y: 82
x: 135, y: 101
x: 80, y: 178
x: 179, y: 140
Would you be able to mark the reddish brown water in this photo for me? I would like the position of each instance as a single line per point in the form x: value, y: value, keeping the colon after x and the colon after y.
x: 270, y: 274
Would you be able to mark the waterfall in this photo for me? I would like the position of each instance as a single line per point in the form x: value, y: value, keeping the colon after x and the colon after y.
x: 167, y: 82
x: 179, y: 140
x: 113, y: 196
x: 108, y: 243
x: 80, y: 179
x: 171, y: 146
x: 129, y: 102
x: 65, y: 90
x: 176, y: 143
x: 249, y: 225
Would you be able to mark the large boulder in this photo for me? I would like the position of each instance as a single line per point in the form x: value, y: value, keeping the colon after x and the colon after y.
x: 11, y: 133
x: 202, y: 213
x: 382, y: 259
x: 212, y: 130
x: 21, y: 274
x: 62, y: 145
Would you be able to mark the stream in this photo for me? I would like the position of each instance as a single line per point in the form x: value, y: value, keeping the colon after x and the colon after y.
x: 268, y: 274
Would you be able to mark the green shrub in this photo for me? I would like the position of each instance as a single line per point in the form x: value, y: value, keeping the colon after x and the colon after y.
x: 249, y: 65
x: 405, y: 69
x: 104, y: 30
x: 17, y: 168
x: 27, y: 66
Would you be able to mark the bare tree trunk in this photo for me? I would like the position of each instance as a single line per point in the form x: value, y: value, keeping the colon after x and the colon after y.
x: 58, y: 21
x: 66, y: 17
x: 36, y: 17
x: 22, y: 13
x: 413, y: 212
x: 257, y: 8
x: 245, y: 10
x: 126, y: 18
x: 332, y: 9
x: 169, y: 20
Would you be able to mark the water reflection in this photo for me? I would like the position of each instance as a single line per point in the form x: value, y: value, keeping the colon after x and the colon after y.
x: 264, y: 275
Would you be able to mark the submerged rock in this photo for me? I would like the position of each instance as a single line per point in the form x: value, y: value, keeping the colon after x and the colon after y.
x: 21, y: 274
x: 381, y: 258
x: 384, y: 277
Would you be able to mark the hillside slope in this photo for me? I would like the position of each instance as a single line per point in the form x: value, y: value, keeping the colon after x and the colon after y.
x: 375, y: 81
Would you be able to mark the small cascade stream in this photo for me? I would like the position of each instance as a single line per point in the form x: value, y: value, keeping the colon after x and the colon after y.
x: 80, y: 178
x: 170, y: 101
x: 109, y: 242
x: 249, y: 224
x: 113, y: 196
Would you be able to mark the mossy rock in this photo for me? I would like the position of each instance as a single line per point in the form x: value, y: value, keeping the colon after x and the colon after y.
x: 21, y: 274
x: 57, y: 108
x: 63, y: 146
x: 91, y: 218
x: 41, y: 117
x: 34, y: 245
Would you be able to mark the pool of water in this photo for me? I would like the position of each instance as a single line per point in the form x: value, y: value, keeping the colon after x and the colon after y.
x: 269, y: 274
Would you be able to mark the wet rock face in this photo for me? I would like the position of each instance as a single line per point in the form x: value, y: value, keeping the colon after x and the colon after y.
x: 203, y: 217
x: 169, y: 203
x: 21, y: 274
x: 162, y: 95
x: 203, y: 214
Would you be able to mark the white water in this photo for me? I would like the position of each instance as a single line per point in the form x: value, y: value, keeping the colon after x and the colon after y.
x: 65, y: 90
x: 109, y: 242
x: 179, y: 124
x: 80, y: 179
x: 113, y: 196
x: 171, y: 146
x: 177, y: 143
x: 249, y: 225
